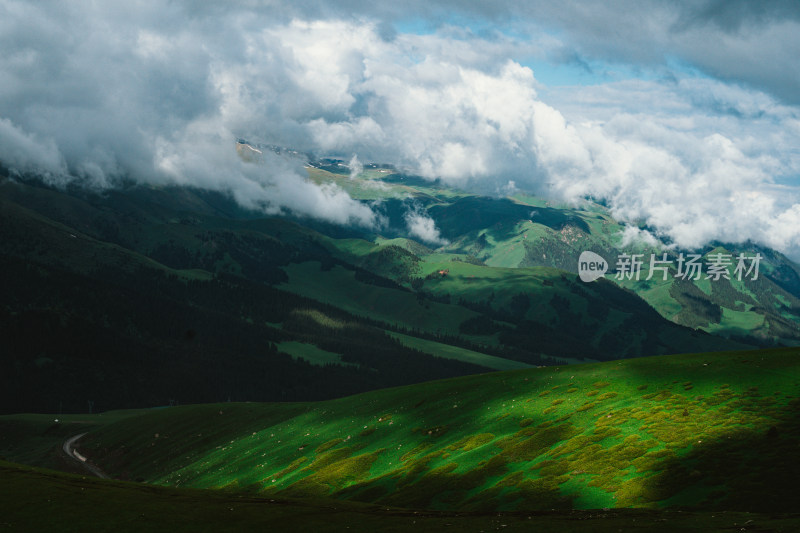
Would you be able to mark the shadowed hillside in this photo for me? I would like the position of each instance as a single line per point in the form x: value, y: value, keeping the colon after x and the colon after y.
x: 148, y: 296
x: 701, y: 431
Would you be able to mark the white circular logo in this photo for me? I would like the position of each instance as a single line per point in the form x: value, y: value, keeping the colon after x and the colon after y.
x: 591, y: 266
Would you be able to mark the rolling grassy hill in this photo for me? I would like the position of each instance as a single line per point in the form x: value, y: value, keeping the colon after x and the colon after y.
x: 147, y: 296
x: 698, y: 431
x: 694, y: 442
x: 32, y: 499
x: 524, y: 231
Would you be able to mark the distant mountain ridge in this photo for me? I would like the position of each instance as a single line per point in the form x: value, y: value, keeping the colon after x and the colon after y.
x: 193, y: 298
x: 525, y: 231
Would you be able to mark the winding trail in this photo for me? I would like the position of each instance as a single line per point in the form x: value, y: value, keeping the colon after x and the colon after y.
x: 69, y: 449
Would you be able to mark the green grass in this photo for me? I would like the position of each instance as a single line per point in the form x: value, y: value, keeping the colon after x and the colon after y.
x: 737, y: 322
x: 339, y: 287
x: 461, y: 354
x: 36, y: 438
x: 655, y: 292
x: 688, y: 430
x: 311, y: 353
x: 708, y: 434
x: 33, y: 499
x: 480, y: 283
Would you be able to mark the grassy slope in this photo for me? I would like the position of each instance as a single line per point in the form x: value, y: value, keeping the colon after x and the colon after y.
x: 564, y: 246
x: 479, y: 284
x: 460, y: 354
x: 41, y: 500
x: 527, y: 231
x: 186, y: 234
x: 116, y: 333
x: 339, y: 287
x: 687, y: 430
x: 311, y: 353
x: 36, y: 438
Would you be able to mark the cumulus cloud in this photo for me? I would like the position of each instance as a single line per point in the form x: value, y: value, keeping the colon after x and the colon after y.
x: 356, y: 167
x: 25, y: 153
x: 423, y: 227
x: 97, y: 92
x: 694, y: 172
x: 203, y: 156
x: 735, y: 40
x: 632, y: 237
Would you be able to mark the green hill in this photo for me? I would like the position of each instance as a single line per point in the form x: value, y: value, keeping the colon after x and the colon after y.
x: 150, y: 296
x: 524, y: 231
x: 697, y: 431
x: 40, y: 500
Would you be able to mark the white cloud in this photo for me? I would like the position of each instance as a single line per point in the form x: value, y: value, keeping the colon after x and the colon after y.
x: 95, y: 92
x: 204, y: 156
x: 423, y: 227
x: 26, y: 153
x: 356, y: 167
x: 633, y: 236
x: 695, y: 172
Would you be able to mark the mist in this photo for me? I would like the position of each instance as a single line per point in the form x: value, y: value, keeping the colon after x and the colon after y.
x: 95, y: 94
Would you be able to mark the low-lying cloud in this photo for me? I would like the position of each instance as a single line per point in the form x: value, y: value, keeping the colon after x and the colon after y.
x: 423, y: 227
x: 95, y: 92
x: 356, y: 167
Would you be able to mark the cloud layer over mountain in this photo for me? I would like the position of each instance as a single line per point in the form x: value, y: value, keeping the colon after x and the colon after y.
x: 686, y: 118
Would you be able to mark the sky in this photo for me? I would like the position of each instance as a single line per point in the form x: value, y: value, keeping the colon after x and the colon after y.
x: 681, y: 115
